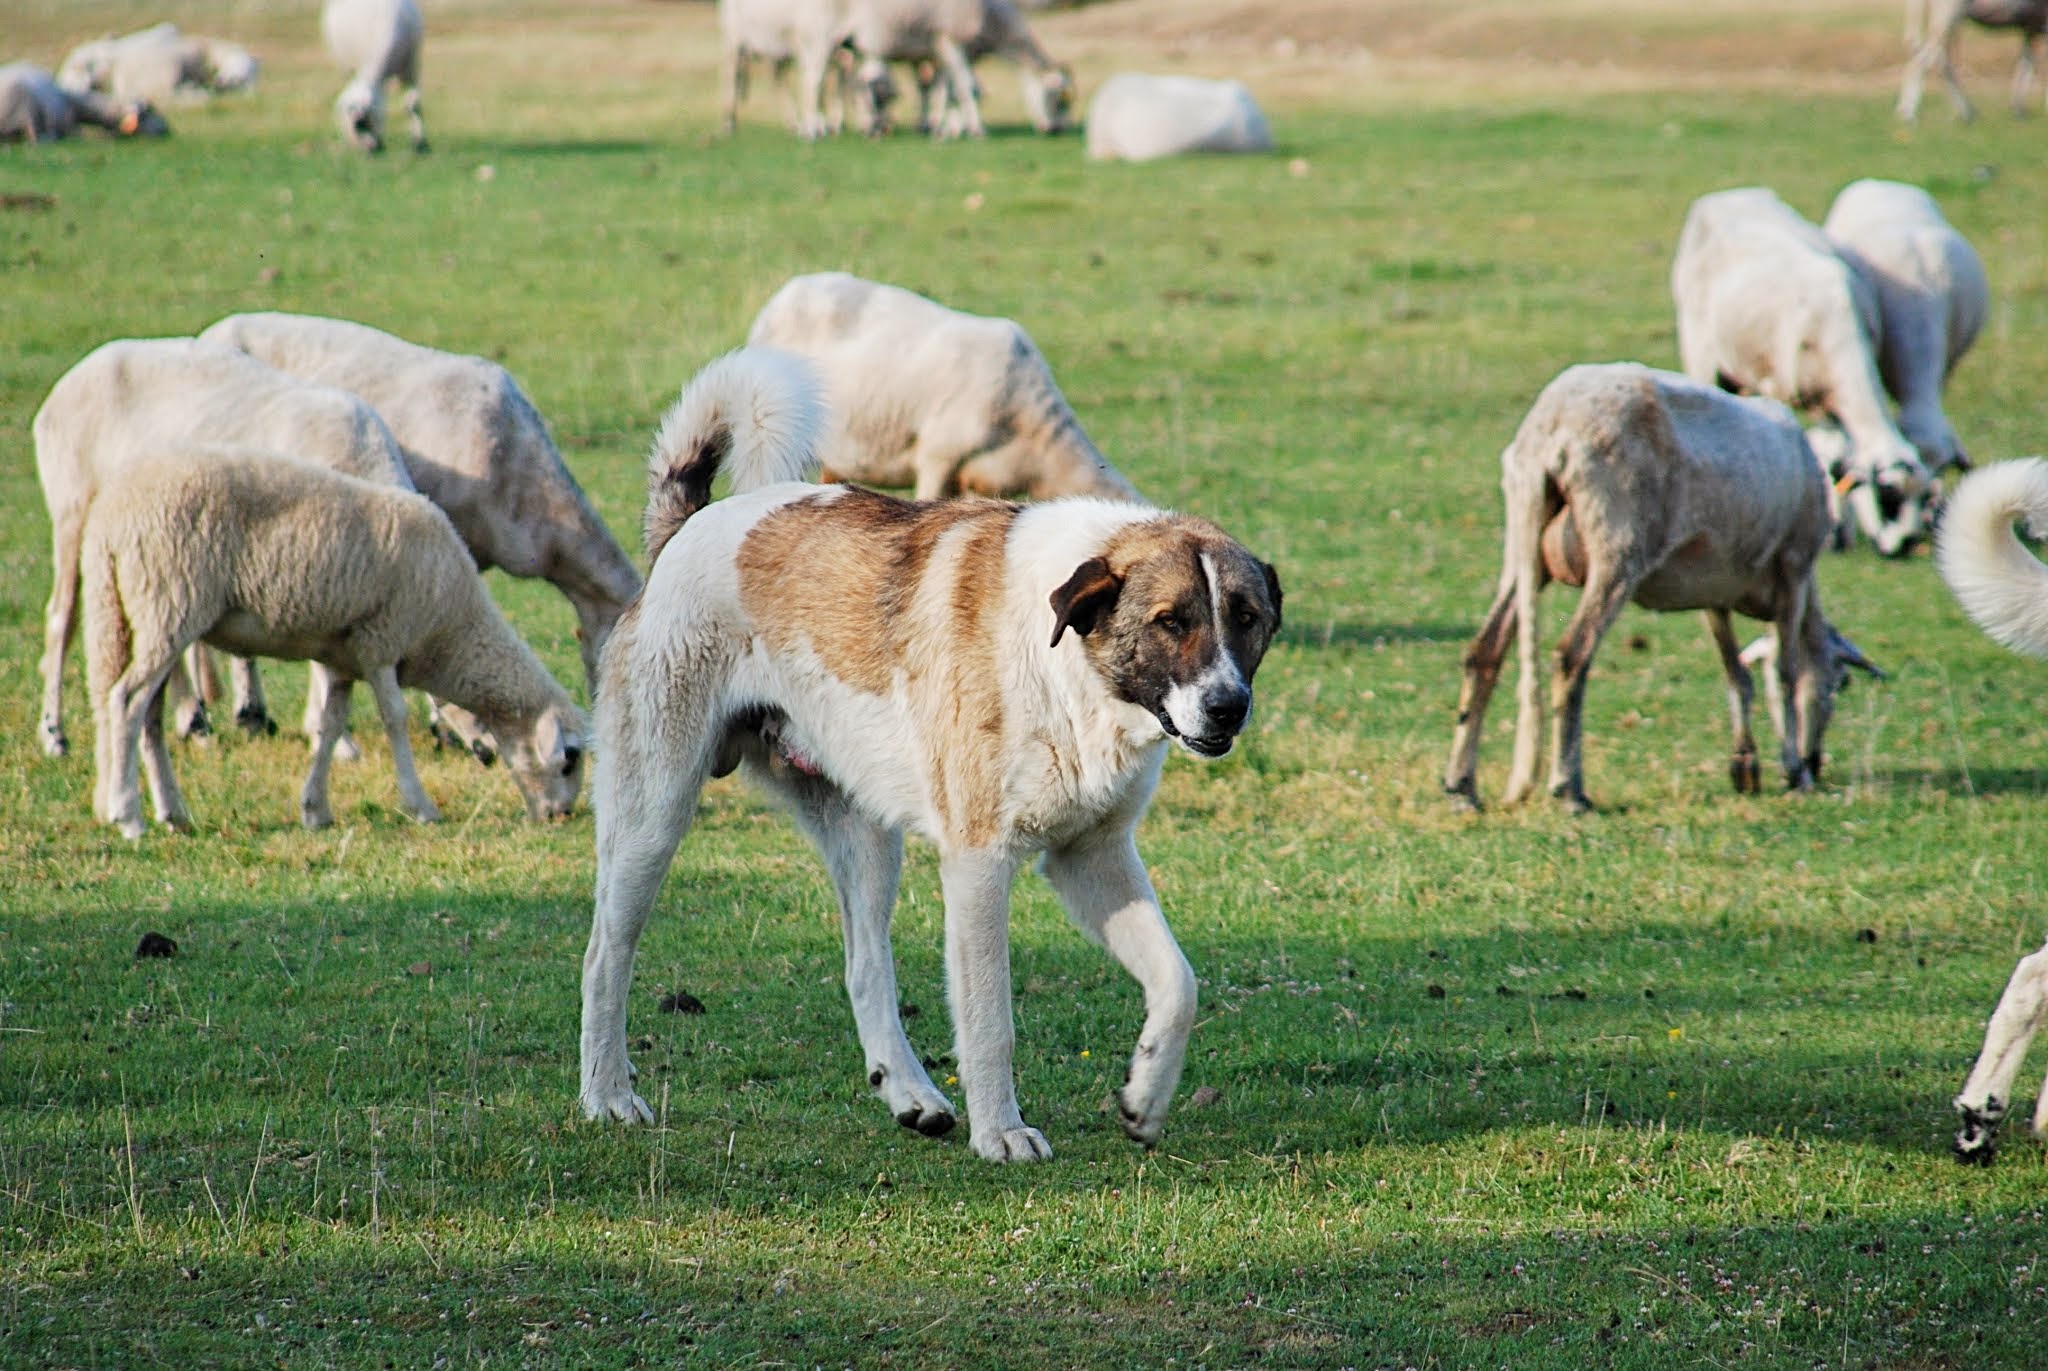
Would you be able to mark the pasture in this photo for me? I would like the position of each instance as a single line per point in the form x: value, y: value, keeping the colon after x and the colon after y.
x: 1665, y: 1085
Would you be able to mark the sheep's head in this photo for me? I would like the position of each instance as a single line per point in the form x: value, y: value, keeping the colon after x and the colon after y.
x: 90, y: 67
x: 140, y: 120
x: 547, y: 761
x: 1886, y: 485
x: 1049, y: 96
x: 359, y: 110
x: 230, y: 66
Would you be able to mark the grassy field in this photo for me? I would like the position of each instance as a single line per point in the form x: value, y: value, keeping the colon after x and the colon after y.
x: 1665, y: 1085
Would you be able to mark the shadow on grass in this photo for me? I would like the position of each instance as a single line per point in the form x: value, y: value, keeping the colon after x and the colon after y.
x: 1312, y: 634
x: 1970, y: 781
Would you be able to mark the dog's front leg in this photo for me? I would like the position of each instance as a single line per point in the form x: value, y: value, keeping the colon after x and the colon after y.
x: 1106, y: 892
x: 977, y: 889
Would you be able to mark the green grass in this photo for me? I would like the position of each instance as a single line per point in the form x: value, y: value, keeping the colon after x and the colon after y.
x: 1666, y: 1084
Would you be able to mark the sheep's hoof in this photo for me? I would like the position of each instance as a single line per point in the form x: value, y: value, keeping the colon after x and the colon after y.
x: 313, y: 820
x: 255, y: 721
x: 1744, y: 773
x: 1574, y: 800
x: 54, y: 742
x: 1976, y: 1140
x: 1464, y: 797
x: 193, y: 721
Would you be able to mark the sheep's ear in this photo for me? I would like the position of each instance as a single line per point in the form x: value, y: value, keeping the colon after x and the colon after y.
x: 550, y: 741
x: 1088, y: 594
x: 1849, y: 654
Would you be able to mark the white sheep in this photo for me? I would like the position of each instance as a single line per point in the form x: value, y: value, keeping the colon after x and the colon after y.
x: 1766, y: 306
x: 952, y: 35
x: 1644, y: 485
x: 474, y: 445
x: 35, y: 109
x: 1136, y: 117
x: 931, y: 397
x: 261, y: 554
x: 1932, y: 301
x: 159, y: 64
x: 2004, y: 588
x: 379, y: 41
x: 1932, y: 27
x: 805, y: 34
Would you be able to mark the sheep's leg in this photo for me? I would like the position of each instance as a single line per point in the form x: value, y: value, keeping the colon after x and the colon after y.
x: 959, y: 75
x: 164, y: 795
x: 391, y: 709
x: 124, y: 709
x: 1965, y: 111
x: 185, y: 693
x: 1797, y: 670
x: 415, y: 116
x: 810, y: 79
x: 1522, y: 568
x: 252, y: 709
x: 1600, y: 604
x: 314, y: 813
x: 732, y: 88
x: 60, y: 620
x: 1482, y: 673
x: 1986, y: 1096
x: 319, y: 682
x: 1742, y: 763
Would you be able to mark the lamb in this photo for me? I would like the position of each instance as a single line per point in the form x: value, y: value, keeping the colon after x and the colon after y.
x: 1932, y: 27
x: 1932, y: 302
x: 927, y: 396
x: 1766, y: 306
x: 35, y: 109
x: 261, y: 554
x: 1135, y: 118
x: 953, y: 34
x: 806, y: 34
x: 379, y: 41
x: 1644, y: 485
x: 474, y: 445
x: 2004, y: 588
x: 158, y: 64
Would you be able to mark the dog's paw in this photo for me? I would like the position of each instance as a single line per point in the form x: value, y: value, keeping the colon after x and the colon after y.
x: 912, y: 1099
x: 621, y: 1106
x: 1020, y: 1144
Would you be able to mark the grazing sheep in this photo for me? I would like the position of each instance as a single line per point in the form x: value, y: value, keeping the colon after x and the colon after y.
x: 809, y: 35
x: 2004, y: 588
x: 378, y: 40
x: 1932, y: 27
x: 1643, y: 485
x: 474, y: 445
x: 260, y: 554
x: 953, y: 35
x: 930, y: 397
x: 1932, y: 301
x: 35, y: 109
x: 1135, y: 118
x: 127, y: 399
x: 1767, y: 307
x: 158, y: 64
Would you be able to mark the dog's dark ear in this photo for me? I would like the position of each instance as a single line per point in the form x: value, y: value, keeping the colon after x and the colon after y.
x: 1088, y: 594
x: 1272, y: 589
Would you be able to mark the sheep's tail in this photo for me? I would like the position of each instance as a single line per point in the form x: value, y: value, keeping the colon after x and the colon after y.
x: 756, y: 411
x: 1998, y: 582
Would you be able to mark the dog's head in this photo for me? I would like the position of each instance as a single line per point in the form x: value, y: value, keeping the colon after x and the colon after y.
x: 1175, y: 615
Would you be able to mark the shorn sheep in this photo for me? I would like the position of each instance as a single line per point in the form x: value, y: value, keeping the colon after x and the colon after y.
x: 806, y: 34
x: 123, y: 402
x: 1932, y: 27
x: 1767, y: 307
x: 378, y: 41
x: 159, y: 64
x: 929, y: 397
x: 473, y: 444
x: 262, y: 555
x: 1136, y: 117
x: 2004, y: 588
x: 1643, y: 485
x: 35, y: 109
x: 952, y: 35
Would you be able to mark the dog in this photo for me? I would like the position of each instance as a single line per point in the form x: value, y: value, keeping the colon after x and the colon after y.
x: 1002, y: 679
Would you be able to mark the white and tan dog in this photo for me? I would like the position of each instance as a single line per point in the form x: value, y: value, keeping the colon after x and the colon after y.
x: 1000, y: 679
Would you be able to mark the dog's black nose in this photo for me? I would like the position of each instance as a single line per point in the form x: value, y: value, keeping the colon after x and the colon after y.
x: 1227, y: 706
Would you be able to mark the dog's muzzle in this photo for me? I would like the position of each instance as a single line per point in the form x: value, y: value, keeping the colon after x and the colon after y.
x: 1224, y: 711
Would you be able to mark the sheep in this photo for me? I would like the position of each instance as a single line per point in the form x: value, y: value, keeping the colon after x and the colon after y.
x: 158, y: 64
x: 807, y: 34
x: 1644, y: 485
x: 1135, y: 117
x: 953, y: 34
x: 125, y: 399
x: 2004, y: 588
x: 931, y: 397
x: 1932, y: 301
x: 474, y: 445
x: 379, y: 41
x: 261, y: 554
x: 35, y: 109
x: 1766, y: 306
x: 1932, y: 27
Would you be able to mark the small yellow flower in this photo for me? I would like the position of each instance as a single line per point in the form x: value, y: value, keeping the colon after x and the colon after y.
x: 1677, y: 1033
x: 1671, y: 1094
x: 952, y: 1080
x: 1084, y: 1051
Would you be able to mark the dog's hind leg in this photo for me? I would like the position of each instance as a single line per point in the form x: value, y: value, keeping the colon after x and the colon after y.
x: 866, y: 863
x: 976, y: 882
x: 1103, y: 885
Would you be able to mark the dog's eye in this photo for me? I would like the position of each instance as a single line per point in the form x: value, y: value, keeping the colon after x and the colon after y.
x: 1247, y: 618
x: 1170, y: 621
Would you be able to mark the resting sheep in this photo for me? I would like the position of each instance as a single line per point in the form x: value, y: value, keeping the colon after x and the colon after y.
x: 1932, y: 27
x: 35, y: 109
x: 379, y: 41
x: 1643, y: 485
x: 2002, y: 586
x: 474, y: 445
x: 260, y: 554
x: 953, y: 35
x: 930, y: 397
x: 158, y: 64
x: 1136, y: 117
x: 1767, y: 307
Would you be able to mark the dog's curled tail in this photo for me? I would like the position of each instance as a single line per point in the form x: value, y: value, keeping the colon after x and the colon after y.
x: 756, y: 411
x: 1999, y: 583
